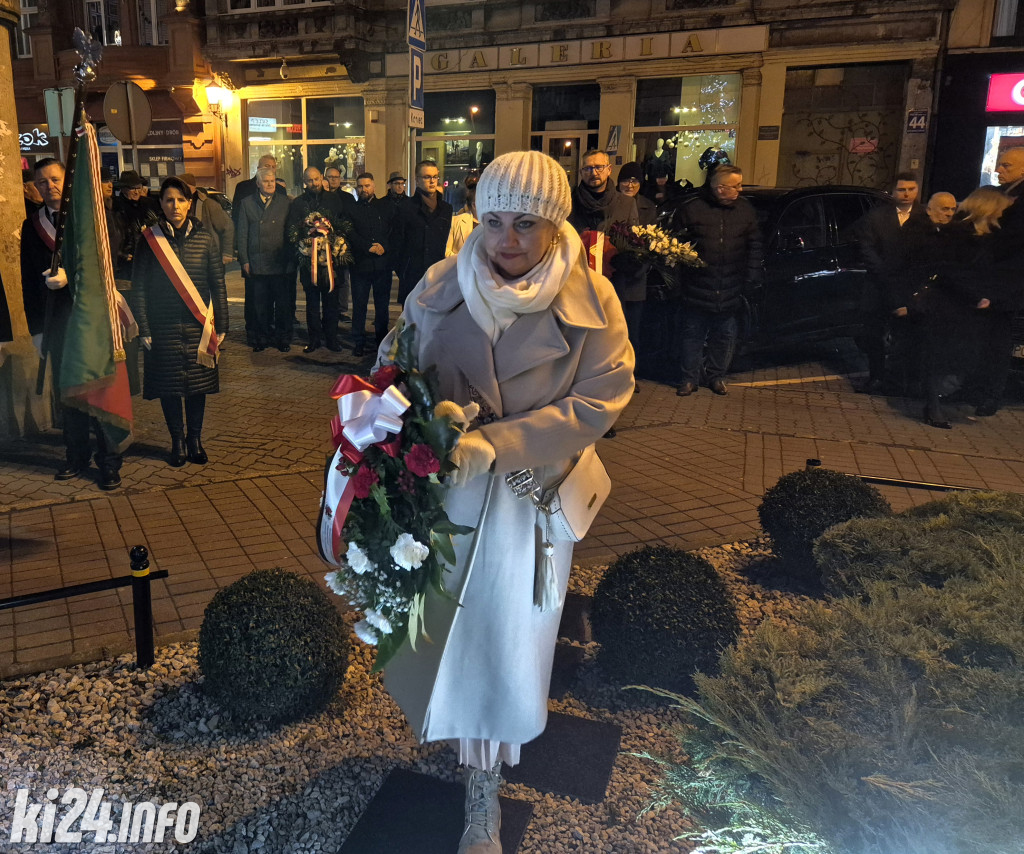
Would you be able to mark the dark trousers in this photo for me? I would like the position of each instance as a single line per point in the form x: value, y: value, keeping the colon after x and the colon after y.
x: 708, y: 341
x: 321, y: 308
x: 379, y: 283
x: 634, y: 313
x: 195, y: 410
x: 995, y: 343
x: 250, y: 310
x: 76, y: 428
x: 274, y: 309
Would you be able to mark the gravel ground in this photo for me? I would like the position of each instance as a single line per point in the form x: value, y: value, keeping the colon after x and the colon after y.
x: 155, y: 737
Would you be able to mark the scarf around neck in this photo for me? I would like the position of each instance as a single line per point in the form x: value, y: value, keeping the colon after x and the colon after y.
x: 494, y: 302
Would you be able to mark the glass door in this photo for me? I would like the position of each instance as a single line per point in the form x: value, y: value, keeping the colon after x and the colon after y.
x: 567, y: 147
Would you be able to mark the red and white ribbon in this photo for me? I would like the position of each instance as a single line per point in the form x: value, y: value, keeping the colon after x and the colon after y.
x: 182, y: 282
x: 367, y: 417
x: 45, y: 229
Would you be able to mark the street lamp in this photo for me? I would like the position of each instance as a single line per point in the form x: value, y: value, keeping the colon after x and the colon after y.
x: 220, y: 100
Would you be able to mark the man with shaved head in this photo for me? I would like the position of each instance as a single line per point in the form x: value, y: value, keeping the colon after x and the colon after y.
x: 1010, y: 170
x: 941, y: 207
x: 322, y: 306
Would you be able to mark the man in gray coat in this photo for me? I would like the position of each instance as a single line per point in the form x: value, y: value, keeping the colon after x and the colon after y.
x: 265, y: 257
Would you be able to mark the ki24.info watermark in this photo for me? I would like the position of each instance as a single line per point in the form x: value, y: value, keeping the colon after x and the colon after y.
x: 81, y: 816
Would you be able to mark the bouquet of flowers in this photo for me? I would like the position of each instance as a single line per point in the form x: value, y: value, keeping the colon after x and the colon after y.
x: 382, y: 519
x: 320, y: 245
x: 651, y: 244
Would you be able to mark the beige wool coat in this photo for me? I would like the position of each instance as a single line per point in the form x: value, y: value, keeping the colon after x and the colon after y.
x: 558, y: 380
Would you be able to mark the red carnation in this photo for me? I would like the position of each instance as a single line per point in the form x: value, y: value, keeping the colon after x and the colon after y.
x: 362, y: 480
x: 385, y: 377
x: 421, y: 461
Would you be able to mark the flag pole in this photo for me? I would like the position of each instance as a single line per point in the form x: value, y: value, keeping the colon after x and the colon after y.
x: 89, y: 54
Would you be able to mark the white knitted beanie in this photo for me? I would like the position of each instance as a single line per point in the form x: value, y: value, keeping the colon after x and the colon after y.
x: 524, y: 182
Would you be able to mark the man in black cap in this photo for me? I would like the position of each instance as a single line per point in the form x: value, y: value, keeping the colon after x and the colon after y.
x: 396, y: 187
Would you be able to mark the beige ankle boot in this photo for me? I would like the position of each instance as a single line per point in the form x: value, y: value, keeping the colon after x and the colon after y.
x: 483, y: 812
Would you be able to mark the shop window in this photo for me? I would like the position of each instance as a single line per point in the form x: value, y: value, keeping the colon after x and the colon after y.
x: 260, y: 5
x: 458, y: 135
x: 334, y: 118
x: 459, y: 112
x: 566, y: 103
x: 275, y: 120
x: 997, y: 140
x: 684, y: 123
x: 303, y: 132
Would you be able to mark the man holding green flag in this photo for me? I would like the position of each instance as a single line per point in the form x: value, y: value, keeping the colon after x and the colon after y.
x: 86, y: 338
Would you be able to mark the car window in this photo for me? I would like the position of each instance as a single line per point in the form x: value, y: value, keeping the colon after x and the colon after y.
x: 801, y: 226
x: 847, y: 209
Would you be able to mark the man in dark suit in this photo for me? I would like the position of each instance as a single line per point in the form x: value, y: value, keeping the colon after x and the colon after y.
x: 49, y: 296
x: 370, y: 238
x: 424, y: 222
x: 878, y: 233
x: 243, y: 189
x: 267, y: 262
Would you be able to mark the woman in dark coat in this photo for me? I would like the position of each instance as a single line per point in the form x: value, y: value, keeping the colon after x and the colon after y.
x: 180, y: 303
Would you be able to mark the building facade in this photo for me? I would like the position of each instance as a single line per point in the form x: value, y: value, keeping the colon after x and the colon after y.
x: 797, y: 93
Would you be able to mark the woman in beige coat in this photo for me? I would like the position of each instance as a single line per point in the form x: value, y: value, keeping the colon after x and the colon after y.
x: 519, y: 325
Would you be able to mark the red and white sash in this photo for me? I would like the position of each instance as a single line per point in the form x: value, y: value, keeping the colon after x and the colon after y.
x: 171, y: 264
x: 45, y: 229
x: 598, y: 249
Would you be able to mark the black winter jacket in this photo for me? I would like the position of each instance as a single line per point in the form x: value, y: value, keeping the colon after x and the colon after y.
x: 728, y: 240
x: 372, y: 221
x: 422, y: 235
x: 171, y: 368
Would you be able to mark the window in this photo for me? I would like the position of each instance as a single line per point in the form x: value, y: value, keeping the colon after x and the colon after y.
x: 260, y: 5
x: 103, y: 21
x: 21, y: 42
x: 801, y: 226
x: 152, y: 30
x: 303, y: 132
x: 1008, y: 21
x: 679, y: 119
x: 458, y: 134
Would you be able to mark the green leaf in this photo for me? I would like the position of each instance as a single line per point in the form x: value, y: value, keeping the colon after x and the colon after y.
x: 442, y: 544
x: 388, y: 646
x: 379, y: 494
x: 442, y: 435
x: 447, y: 526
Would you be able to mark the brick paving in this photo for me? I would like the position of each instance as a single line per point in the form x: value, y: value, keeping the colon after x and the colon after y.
x: 687, y: 472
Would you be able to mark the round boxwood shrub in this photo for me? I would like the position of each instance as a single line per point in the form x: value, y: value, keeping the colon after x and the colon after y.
x: 660, y: 615
x: 272, y: 648
x: 804, y: 504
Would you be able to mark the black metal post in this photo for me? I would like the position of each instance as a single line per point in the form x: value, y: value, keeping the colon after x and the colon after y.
x: 142, y: 607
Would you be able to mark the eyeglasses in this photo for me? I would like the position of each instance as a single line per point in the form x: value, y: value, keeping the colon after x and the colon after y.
x: 429, y: 178
x: 630, y: 181
x: 595, y: 168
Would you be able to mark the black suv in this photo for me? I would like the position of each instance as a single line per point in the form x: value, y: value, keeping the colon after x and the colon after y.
x: 813, y: 279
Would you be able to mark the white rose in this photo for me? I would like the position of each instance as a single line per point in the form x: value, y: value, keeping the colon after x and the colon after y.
x: 408, y: 553
x: 378, y: 621
x: 365, y: 632
x: 335, y: 584
x: 358, y: 560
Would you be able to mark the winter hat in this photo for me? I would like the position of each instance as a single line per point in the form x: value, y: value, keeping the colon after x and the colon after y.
x: 188, y: 178
x: 630, y: 170
x: 524, y: 182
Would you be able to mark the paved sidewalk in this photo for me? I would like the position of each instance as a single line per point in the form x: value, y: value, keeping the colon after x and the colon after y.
x: 688, y: 472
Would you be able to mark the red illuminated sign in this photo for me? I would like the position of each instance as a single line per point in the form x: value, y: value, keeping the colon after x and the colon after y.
x: 1005, y: 93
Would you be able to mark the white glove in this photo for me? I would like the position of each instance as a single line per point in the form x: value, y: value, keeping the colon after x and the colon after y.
x: 461, y: 416
x: 473, y: 455
x: 147, y: 342
x: 220, y: 337
x: 56, y: 282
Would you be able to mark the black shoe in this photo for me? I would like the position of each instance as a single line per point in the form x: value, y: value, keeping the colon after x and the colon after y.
x: 344, y: 317
x: 334, y: 348
x: 284, y: 348
x: 935, y: 420
x: 359, y: 350
x: 109, y: 479
x: 636, y: 388
x: 177, y: 457
x: 872, y: 387
x: 718, y: 387
x: 311, y: 347
x: 611, y: 434
x: 987, y: 408
x: 259, y: 348
x: 70, y: 471
x: 685, y: 390
x: 195, y: 452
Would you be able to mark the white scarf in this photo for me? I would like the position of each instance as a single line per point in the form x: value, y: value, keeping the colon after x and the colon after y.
x: 493, y: 301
